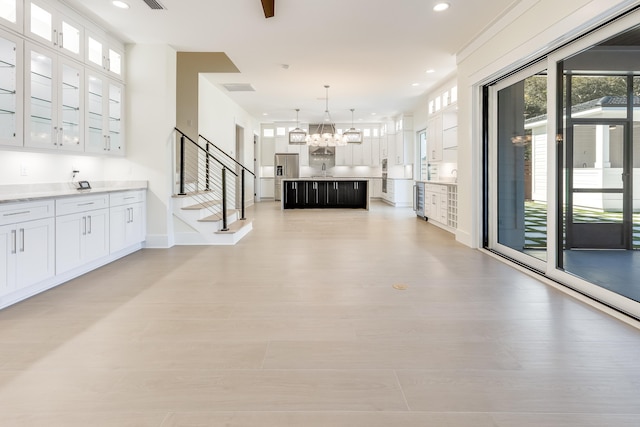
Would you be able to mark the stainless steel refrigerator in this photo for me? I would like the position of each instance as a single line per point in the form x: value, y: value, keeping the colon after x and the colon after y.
x: 286, y: 166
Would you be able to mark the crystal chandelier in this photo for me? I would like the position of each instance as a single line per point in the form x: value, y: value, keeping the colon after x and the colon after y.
x: 325, y: 135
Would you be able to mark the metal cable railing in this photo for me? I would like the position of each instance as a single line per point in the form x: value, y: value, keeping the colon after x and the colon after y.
x: 204, y: 178
x: 231, y: 164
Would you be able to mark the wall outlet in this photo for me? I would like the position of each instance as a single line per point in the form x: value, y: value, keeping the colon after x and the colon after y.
x: 23, y: 170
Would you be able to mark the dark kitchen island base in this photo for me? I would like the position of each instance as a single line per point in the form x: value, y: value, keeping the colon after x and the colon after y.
x: 325, y: 194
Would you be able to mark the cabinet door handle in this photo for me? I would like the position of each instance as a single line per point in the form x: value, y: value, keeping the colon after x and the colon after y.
x: 86, y: 204
x: 55, y: 37
x: 89, y: 226
x: 60, y: 135
x: 13, y: 241
x: 22, y: 240
x: 61, y: 39
x: 17, y: 213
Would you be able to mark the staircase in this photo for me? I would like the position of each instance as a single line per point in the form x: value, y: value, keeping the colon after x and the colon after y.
x: 206, y: 185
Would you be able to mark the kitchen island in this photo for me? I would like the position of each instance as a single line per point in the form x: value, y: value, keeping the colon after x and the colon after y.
x: 325, y: 193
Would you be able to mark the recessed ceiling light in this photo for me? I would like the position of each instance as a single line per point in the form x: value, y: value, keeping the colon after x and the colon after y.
x: 120, y: 4
x: 431, y: 71
x: 441, y: 6
x: 415, y: 84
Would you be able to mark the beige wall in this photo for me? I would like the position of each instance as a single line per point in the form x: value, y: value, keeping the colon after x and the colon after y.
x: 189, y: 66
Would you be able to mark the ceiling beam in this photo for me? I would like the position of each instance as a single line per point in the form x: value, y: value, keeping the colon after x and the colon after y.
x: 269, y: 7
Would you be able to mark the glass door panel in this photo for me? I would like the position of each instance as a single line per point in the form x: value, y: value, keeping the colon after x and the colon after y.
x: 518, y: 210
x: 9, y: 10
x: 70, y: 125
x: 115, y: 118
x: 41, y: 110
x: 8, y: 92
x: 41, y: 22
x: 94, y: 51
x: 70, y: 37
x: 115, y: 62
x: 594, y: 214
x: 95, y: 115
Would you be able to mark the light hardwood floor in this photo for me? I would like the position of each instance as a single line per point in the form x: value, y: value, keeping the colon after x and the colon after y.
x: 300, y: 325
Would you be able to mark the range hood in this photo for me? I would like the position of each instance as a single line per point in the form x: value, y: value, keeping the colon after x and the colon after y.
x: 322, y: 151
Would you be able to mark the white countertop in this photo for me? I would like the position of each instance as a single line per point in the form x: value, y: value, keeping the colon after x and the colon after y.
x: 30, y: 192
x: 439, y: 182
x: 329, y: 178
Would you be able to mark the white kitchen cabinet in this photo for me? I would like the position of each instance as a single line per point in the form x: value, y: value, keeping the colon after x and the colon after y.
x: 53, y: 101
x: 267, y: 151
x: 127, y: 219
x: 434, y: 138
x: 104, y: 54
x: 267, y: 188
x: 82, y: 231
x: 302, y: 150
x: 399, y: 192
x: 375, y: 188
x: 26, y: 244
x: 11, y: 89
x: 49, y: 25
x: 441, y: 204
x: 104, y: 128
x: 11, y: 12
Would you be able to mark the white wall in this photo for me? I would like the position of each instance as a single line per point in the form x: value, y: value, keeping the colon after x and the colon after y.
x: 532, y: 28
x: 151, y: 116
x: 47, y: 167
x: 218, y: 116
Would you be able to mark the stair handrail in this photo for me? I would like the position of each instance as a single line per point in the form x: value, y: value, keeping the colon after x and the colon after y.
x: 205, y: 151
x: 224, y: 176
x: 222, y: 151
x: 242, y: 171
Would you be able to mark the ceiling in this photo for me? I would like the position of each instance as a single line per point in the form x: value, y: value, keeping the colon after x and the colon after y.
x: 374, y: 54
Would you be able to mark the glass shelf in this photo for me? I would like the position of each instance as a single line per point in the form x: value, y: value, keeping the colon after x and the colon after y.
x: 6, y: 112
x: 5, y: 64
x: 7, y: 91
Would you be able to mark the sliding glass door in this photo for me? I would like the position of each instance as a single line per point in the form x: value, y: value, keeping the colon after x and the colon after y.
x: 517, y: 163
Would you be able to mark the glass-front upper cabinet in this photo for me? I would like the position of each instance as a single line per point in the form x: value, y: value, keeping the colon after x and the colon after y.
x: 104, y: 128
x: 104, y: 54
x: 53, y: 101
x: 10, y: 90
x: 51, y: 26
x: 11, y: 14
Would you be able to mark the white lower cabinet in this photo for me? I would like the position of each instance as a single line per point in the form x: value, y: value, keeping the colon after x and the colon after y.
x: 26, y: 244
x: 46, y: 242
x: 83, y: 236
x: 127, y: 219
x: 26, y: 254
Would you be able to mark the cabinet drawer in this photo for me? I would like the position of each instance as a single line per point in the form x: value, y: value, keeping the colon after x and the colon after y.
x: 69, y: 205
x: 12, y: 213
x: 126, y: 197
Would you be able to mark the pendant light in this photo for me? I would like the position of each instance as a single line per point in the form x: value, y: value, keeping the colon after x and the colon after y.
x: 352, y: 136
x: 325, y: 134
x: 297, y: 136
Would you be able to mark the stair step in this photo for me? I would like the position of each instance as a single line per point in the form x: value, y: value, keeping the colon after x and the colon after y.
x: 202, y: 205
x: 235, y: 226
x: 218, y: 216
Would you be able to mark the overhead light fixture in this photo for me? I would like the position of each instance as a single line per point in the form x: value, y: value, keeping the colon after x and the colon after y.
x: 120, y: 4
x: 430, y: 71
x: 352, y: 136
x: 441, y: 6
x: 325, y: 134
x: 297, y: 136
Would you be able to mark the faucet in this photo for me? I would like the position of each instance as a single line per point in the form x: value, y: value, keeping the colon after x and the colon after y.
x: 324, y: 170
x: 454, y: 174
